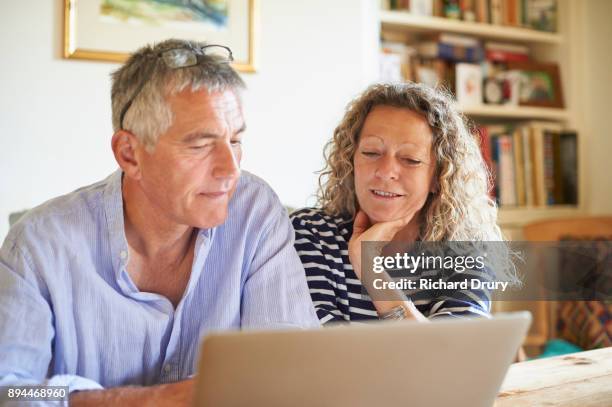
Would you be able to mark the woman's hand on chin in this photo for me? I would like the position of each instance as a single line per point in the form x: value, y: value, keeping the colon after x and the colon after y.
x: 364, y: 231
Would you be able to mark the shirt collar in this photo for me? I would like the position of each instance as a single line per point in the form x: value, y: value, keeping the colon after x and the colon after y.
x: 113, y: 207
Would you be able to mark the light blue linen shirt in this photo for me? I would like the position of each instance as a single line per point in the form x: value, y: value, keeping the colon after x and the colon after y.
x: 71, y: 315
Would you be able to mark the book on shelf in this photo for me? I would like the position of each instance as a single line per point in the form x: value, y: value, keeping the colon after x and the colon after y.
x: 450, y: 52
x: 504, y: 52
x: 539, y: 15
x: 568, y: 158
x: 506, y: 68
x: 519, y: 167
x: 495, y: 12
x: 506, y: 174
x: 533, y: 164
x: 482, y: 11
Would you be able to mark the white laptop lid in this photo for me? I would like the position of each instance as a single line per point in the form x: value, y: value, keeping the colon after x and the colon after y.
x: 452, y: 362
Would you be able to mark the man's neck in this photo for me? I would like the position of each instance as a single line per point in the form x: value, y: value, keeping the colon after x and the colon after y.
x: 148, y: 231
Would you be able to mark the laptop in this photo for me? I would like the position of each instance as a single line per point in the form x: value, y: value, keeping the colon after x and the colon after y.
x: 449, y: 362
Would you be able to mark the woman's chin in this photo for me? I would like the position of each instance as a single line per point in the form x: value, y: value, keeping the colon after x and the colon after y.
x: 378, y: 217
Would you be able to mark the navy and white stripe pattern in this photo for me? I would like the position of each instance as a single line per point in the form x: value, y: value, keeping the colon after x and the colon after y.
x: 337, y: 294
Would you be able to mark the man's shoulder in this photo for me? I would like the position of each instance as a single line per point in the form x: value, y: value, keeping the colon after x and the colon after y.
x: 250, y: 183
x: 253, y: 206
x: 61, y: 215
x: 253, y: 193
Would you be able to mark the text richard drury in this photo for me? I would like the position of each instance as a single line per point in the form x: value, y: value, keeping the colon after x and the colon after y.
x: 412, y: 264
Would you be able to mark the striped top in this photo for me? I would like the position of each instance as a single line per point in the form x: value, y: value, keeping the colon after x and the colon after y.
x: 337, y: 294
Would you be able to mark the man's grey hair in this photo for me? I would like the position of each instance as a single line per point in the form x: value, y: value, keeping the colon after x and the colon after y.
x: 149, y: 116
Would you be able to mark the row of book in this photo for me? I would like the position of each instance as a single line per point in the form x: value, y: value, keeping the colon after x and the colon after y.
x: 535, y: 14
x: 462, y: 64
x: 461, y: 48
x: 533, y: 164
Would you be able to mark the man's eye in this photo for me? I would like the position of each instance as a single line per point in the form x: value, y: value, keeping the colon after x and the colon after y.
x: 236, y: 143
x: 200, y: 147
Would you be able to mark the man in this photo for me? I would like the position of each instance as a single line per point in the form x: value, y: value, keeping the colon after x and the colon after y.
x: 109, y: 289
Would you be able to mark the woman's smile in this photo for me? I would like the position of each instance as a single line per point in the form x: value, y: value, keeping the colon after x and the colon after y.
x: 385, y: 195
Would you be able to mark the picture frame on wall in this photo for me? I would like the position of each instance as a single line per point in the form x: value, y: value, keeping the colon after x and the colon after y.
x: 539, y: 84
x: 110, y: 30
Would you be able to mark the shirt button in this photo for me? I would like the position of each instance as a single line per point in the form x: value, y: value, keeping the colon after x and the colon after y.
x: 123, y: 254
x: 167, y: 368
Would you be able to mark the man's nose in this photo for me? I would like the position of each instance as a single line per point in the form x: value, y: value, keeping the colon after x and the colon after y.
x: 227, y: 164
x: 387, y: 167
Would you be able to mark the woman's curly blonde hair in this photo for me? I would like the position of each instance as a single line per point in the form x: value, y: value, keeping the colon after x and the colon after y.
x: 461, y: 209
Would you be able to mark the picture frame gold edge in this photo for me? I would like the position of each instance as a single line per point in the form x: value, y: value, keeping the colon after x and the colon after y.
x: 91, y: 55
x: 252, y: 65
x: 67, y: 28
x: 70, y: 52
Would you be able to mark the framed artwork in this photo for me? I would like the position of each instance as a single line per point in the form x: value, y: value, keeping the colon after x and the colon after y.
x: 539, y: 84
x: 109, y: 30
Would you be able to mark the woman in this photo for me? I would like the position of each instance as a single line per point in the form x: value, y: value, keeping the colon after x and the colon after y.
x: 402, y: 166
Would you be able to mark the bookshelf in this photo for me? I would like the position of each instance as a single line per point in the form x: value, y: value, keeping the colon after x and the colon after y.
x: 545, y: 47
x: 526, y: 113
x: 565, y: 49
x: 402, y: 21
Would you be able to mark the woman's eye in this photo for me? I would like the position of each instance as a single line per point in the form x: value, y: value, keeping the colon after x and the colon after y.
x: 236, y: 143
x: 370, y: 153
x: 411, y: 161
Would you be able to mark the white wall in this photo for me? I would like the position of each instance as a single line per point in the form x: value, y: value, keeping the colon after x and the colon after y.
x: 55, y: 118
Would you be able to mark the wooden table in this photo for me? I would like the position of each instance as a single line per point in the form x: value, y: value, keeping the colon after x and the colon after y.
x: 581, y: 379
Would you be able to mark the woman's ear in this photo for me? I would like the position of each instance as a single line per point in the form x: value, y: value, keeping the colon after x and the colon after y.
x: 125, y: 146
x: 435, y: 186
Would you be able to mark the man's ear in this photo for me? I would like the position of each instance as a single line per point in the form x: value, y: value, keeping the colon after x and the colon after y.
x: 125, y: 145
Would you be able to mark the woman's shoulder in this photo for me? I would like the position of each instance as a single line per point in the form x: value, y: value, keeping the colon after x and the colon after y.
x: 317, y: 220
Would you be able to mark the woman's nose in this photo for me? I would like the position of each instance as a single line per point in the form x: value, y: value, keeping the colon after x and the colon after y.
x: 387, y: 168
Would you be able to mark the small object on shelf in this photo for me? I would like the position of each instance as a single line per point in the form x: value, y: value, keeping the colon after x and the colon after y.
x: 432, y: 73
x: 395, y: 62
x: 390, y: 67
x: 542, y: 15
x: 511, y: 86
x: 468, y: 12
x: 421, y: 7
x: 452, y: 10
x: 493, y: 91
x: 468, y: 84
x: 540, y: 84
x: 396, y: 4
